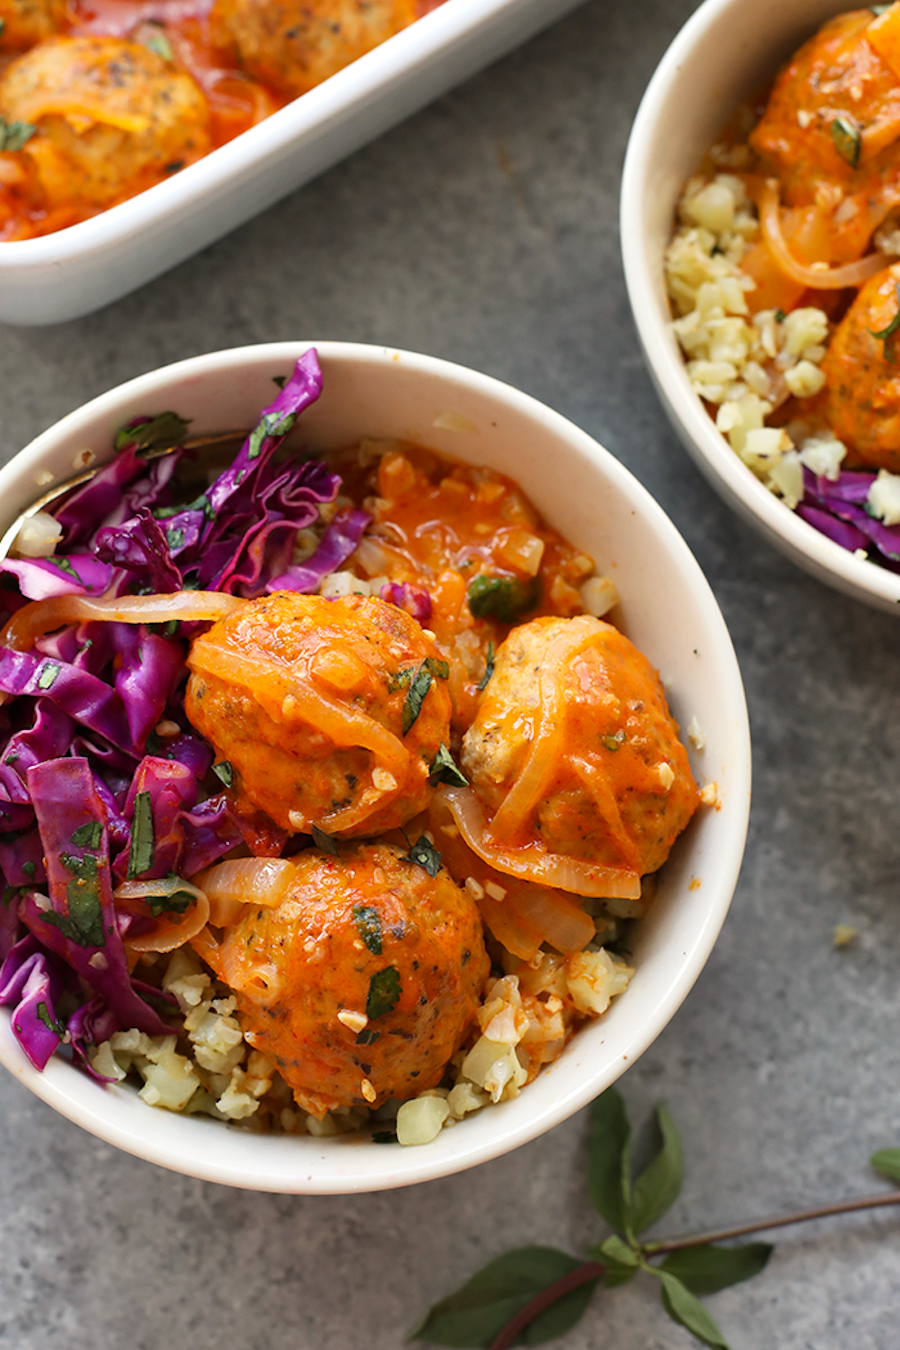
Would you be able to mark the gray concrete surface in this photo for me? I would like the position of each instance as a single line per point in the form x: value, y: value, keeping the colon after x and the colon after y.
x: 484, y: 230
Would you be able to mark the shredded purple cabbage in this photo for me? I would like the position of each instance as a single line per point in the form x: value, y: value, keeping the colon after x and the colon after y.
x: 838, y: 510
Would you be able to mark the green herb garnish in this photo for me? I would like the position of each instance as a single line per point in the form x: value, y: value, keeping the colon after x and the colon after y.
x: 885, y: 334
x: 49, y: 1022
x: 614, y: 742
x: 49, y: 672
x: 488, y: 667
x: 201, y: 503
x: 368, y: 921
x: 847, y: 140
x: 88, y: 835
x: 15, y: 135
x: 503, y: 598
x: 175, y: 537
x: 159, y: 43
x: 443, y: 769
x: 29, y: 868
x: 383, y: 1137
x: 424, y: 854
x: 780, y: 316
x: 273, y: 424
x: 324, y: 841
x: 176, y: 902
x: 152, y: 433
x: 65, y: 566
x: 367, y: 1037
x: 83, y: 924
x: 224, y: 772
x: 412, y: 704
x: 141, y: 850
x: 384, y: 991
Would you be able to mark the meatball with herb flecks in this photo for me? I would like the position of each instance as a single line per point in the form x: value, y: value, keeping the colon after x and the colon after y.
x: 111, y: 117
x: 574, y: 748
x: 331, y: 712
x: 362, y: 982
x: 294, y: 46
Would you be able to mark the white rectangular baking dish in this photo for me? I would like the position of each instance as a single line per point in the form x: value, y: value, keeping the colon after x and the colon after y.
x: 64, y: 275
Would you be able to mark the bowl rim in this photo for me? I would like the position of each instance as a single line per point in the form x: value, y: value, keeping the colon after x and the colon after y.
x: 643, y: 279
x: 58, y: 1086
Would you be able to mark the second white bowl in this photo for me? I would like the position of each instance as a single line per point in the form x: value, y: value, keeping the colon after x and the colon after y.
x: 724, y: 54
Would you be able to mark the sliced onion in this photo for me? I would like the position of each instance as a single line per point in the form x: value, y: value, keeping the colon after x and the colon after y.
x: 511, y: 929
x: 172, y: 930
x: 535, y: 863
x: 541, y: 761
x: 818, y: 278
x: 561, y: 921
x: 248, y: 881
x: 271, y: 686
x: 44, y: 616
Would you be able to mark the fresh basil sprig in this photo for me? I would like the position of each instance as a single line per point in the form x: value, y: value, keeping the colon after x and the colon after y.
x: 533, y: 1294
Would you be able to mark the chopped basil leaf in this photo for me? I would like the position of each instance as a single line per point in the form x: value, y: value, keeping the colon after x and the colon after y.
x: 15, y: 135
x: 368, y: 921
x: 280, y: 380
x: 201, y: 503
x: 65, y: 566
x: 780, y: 316
x: 29, y: 868
x: 412, y: 704
x: 273, y: 424
x: 176, y: 903
x: 614, y: 742
x: 503, y: 598
x: 175, y: 538
x: 83, y: 924
x: 159, y: 43
x: 400, y: 680
x: 11, y: 757
x: 424, y: 854
x: 443, y: 769
x: 9, y: 893
x: 224, y: 772
x: 88, y: 835
x: 384, y: 991
x: 324, y: 841
x: 847, y: 140
x: 383, y: 1137
x: 150, y: 433
x: 439, y: 669
x: 141, y: 850
x: 367, y: 1037
x: 49, y: 1022
x: 49, y: 672
x: 885, y: 334
x: 488, y: 667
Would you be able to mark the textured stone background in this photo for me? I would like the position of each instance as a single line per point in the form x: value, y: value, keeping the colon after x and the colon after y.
x: 484, y: 230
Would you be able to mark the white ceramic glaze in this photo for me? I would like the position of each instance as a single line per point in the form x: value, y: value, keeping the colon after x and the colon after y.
x: 667, y: 609
x: 726, y: 52
x: 78, y: 270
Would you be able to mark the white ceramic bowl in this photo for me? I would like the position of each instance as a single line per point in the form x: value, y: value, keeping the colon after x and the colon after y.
x: 77, y: 270
x: 725, y: 53
x: 667, y: 609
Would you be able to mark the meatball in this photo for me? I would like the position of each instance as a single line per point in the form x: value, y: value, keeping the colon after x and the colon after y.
x: 112, y: 117
x: 362, y: 983
x: 331, y: 712
x: 837, y: 74
x: 25, y: 22
x: 862, y: 398
x: 573, y: 746
x: 294, y: 46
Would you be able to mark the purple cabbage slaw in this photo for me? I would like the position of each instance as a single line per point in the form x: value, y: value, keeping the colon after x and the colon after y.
x: 90, y: 792
x: 837, y: 508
